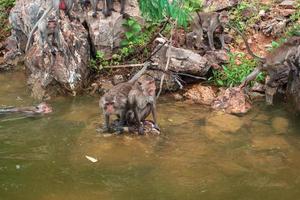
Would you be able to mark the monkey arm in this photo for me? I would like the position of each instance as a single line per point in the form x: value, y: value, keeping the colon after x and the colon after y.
x: 138, y: 120
x: 153, y: 110
x: 251, y: 76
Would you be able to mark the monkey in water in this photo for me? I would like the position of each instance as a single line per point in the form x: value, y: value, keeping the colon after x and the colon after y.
x: 212, y: 23
x: 41, y: 24
x: 42, y: 108
x: 142, y: 102
x: 115, y: 101
x: 107, y: 8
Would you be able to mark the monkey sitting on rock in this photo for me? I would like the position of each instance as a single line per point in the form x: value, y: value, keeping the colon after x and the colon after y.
x: 131, y: 101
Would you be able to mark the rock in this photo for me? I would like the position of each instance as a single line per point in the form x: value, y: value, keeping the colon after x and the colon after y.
x: 178, y: 97
x: 216, y: 58
x: 68, y: 68
x: 215, y: 5
x: 182, y: 60
x: 201, y: 94
x: 288, y: 4
x: 118, y: 79
x: 249, y: 12
x: 293, y: 91
x: 62, y: 72
x: 224, y: 122
x: 280, y: 125
x: 286, y: 12
x: 232, y: 100
x: 266, y: 143
x: 262, y: 13
x: 256, y: 96
x: 258, y: 87
x: 106, y: 32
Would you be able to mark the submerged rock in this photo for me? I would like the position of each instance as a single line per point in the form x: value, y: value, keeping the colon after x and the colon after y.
x: 224, y: 122
x: 280, y: 125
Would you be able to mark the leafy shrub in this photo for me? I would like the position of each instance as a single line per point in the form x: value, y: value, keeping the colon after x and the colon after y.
x: 233, y: 74
x: 237, y: 17
x: 5, y: 6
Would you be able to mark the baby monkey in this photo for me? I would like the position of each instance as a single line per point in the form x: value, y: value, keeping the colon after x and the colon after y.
x: 142, y: 102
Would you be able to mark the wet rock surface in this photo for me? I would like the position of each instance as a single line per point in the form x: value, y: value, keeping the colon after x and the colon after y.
x: 65, y: 70
x: 201, y: 94
x: 232, y: 100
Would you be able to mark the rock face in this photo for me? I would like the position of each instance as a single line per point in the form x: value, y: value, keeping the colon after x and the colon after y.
x: 106, y: 33
x: 216, y: 5
x: 66, y: 70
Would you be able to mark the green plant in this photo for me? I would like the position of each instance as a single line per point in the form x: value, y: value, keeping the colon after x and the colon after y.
x: 276, y: 44
x: 193, y: 5
x: 158, y: 10
x: 239, y: 19
x: 232, y: 73
x: 5, y: 6
x: 132, y: 34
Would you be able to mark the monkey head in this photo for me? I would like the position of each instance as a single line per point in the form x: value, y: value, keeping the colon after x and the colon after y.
x: 147, y: 85
x: 43, y: 108
x: 52, y: 22
x: 108, y: 104
x: 224, y: 17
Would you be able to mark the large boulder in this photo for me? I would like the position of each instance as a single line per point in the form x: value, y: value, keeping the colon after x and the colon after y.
x: 66, y: 70
x: 106, y: 32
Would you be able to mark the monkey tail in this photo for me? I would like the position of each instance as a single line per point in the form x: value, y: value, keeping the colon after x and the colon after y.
x: 246, y: 43
x: 35, y: 27
x: 140, y: 73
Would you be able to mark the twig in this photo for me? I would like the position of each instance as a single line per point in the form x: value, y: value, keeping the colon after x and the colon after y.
x: 128, y: 65
x: 168, y: 61
x: 190, y: 75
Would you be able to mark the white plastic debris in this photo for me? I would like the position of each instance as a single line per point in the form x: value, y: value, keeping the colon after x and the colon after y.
x: 91, y: 159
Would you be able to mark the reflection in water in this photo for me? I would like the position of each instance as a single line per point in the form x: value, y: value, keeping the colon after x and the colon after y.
x: 200, y: 155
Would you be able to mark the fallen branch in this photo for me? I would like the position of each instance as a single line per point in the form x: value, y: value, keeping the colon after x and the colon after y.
x: 168, y: 60
x: 128, y: 66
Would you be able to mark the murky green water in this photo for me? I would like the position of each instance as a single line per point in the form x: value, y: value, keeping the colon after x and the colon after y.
x: 200, y: 155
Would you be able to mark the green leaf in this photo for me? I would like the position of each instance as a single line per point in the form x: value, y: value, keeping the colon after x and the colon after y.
x: 129, y: 35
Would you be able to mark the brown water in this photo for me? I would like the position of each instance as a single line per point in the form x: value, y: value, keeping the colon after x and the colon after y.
x: 200, y: 155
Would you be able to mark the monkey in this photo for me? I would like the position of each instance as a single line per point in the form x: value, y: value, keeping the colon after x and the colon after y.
x: 142, y: 102
x: 49, y: 27
x: 56, y: 5
x: 273, y: 60
x: 115, y: 101
x: 42, y: 108
x: 84, y: 4
x: 107, y: 7
x: 277, y: 64
x: 210, y: 22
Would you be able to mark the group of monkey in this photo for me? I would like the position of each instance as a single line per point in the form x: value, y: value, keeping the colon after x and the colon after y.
x: 134, y: 100
x: 48, y: 25
x: 131, y: 101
